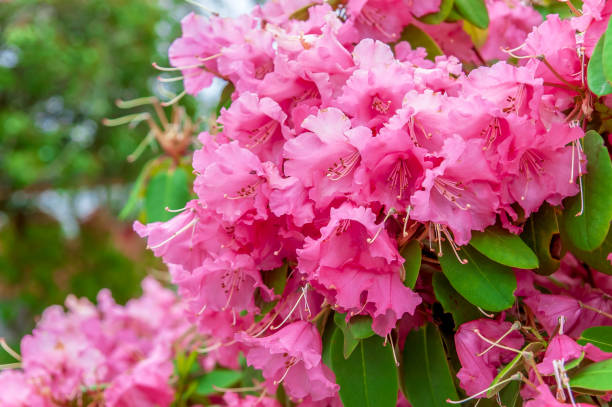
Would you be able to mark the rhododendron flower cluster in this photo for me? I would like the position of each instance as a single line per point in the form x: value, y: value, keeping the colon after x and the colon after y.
x: 373, y: 175
x: 108, y: 354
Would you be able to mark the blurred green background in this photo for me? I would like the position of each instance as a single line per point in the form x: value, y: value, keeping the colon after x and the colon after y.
x: 64, y: 176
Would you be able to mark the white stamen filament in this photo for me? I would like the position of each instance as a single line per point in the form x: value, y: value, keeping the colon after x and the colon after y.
x: 174, y: 69
x: 171, y: 79
x: 236, y: 389
x: 9, y: 366
x: 209, y: 58
x: 483, y: 312
x: 292, y: 362
x: 516, y: 325
x: 175, y: 99
x: 408, y: 209
x: 9, y: 350
x: 184, y: 228
x: 495, y: 344
x: 128, y: 104
x: 392, y: 348
x: 130, y: 118
x: 382, y: 225
x: 201, y: 311
x: 274, y: 328
x: 453, y: 246
x: 343, y: 166
x: 167, y: 209
x: 517, y: 376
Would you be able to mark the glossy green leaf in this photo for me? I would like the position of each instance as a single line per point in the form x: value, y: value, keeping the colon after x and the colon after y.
x: 436, y: 18
x: 539, y: 231
x: 504, y: 247
x: 368, y: 378
x: 481, y: 281
x: 589, y: 230
x: 595, y: 71
x: 419, y: 38
x: 425, y: 375
x: 510, y: 395
x: 358, y: 327
x: 412, y: 256
x: 220, y: 378
x: 461, y: 310
x: 349, y: 343
x: 598, y: 258
x: 166, y: 190
x: 600, y: 336
x: 607, y: 53
x: 474, y: 11
x: 597, y: 376
x: 361, y: 326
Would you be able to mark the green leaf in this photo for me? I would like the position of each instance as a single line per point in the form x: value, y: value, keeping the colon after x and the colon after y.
x: 452, y: 301
x: 598, y: 258
x: 557, y: 7
x: 478, y: 35
x: 607, y: 53
x: 589, y: 230
x: 425, y: 375
x: 276, y: 279
x: 361, y: 326
x: 436, y: 18
x: 419, y: 38
x: 597, y: 376
x: 412, y: 256
x: 137, y: 190
x: 358, y: 327
x: 302, y: 13
x: 350, y: 342
x: 504, y: 247
x: 539, y: 232
x: 510, y: 395
x: 368, y: 378
x: 600, y: 336
x: 595, y: 71
x: 226, y: 97
x: 474, y: 11
x: 220, y: 378
x: 481, y: 281
x: 166, y: 189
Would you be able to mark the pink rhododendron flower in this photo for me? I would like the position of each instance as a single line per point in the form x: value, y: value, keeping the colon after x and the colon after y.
x: 347, y: 262
x: 561, y: 347
x: 546, y: 399
x: 479, y: 357
x: 146, y: 385
x: 292, y: 356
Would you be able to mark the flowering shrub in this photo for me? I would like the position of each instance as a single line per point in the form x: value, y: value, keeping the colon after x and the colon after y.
x: 398, y: 194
